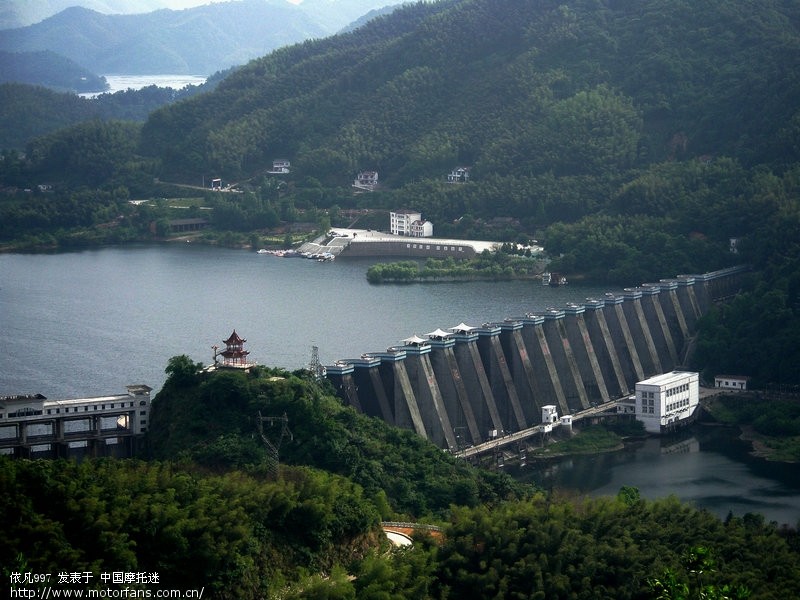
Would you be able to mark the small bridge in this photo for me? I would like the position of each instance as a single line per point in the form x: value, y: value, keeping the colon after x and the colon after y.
x: 408, y: 530
x: 541, y: 429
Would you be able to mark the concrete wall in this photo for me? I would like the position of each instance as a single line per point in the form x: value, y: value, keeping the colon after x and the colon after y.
x: 469, y: 386
x: 411, y: 248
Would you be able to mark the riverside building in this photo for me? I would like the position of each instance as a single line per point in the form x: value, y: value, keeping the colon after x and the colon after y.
x: 667, y: 401
x: 33, y: 426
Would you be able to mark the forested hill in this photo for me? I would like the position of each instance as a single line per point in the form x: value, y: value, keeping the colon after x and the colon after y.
x: 634, y: 139
x: 520, y: 89
x: 50, y: 70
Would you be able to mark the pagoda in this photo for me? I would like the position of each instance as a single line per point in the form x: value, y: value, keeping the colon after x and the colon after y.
x: 234, y: 356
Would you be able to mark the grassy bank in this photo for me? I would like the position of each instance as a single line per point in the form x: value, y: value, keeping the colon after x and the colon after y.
x: 772, y: 425
x: 487, y: 266
x: 591, y: 440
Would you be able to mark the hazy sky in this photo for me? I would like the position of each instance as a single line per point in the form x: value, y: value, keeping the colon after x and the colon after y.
x: 189, y: 3
x: 17, y: 13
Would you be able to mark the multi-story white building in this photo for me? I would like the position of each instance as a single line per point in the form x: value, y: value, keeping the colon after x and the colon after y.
x: 409, y: 223
x: 667, y: 401
x: 32, y: 424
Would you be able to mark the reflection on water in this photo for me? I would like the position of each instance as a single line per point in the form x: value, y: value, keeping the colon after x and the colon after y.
x: 708, y: 467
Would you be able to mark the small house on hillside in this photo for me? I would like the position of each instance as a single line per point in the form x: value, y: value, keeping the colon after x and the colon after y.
x: 366, y: 181
x: 458, y: 175
x: 731, y: 382
x: 280, y: 166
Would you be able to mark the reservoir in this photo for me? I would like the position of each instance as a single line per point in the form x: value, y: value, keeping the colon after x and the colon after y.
x: 120, y: 83
x: 706, y: 466
x: 89, y: 323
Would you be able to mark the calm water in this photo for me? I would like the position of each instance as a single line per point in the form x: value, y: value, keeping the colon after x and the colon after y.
x: 705, y: 466
x: 89, y: 323
x: 92, y: 322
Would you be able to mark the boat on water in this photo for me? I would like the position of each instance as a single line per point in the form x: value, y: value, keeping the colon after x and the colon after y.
x: 553, y: 279
x: 280, y: 253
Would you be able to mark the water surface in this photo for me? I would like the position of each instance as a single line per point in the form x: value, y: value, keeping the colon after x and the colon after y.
x: 92, y: 322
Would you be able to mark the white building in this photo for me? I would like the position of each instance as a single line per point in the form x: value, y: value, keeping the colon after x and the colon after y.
x: 366, y: 181
x: 731, y: 382
x: 666, y: 401
x: 280, y: 166
x: 409, y: 223
x: 549, y: 418
x: 458, y: 175
x: 36, y: 423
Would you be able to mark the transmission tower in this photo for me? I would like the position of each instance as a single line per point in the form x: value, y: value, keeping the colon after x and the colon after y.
x: 273, y: 447
x: 315, y: 366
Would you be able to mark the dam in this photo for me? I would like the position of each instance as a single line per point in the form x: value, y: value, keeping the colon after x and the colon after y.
x: 469, y: 384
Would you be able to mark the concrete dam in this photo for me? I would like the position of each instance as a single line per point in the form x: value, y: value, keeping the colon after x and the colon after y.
x: 468, y: 385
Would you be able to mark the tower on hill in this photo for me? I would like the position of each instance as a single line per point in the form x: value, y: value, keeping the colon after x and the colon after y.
x: 234, y: 356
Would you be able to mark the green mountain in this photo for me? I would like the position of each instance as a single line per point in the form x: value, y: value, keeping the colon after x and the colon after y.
x: 50, y: 70
x: 517, y: 90
x: 29, y: 111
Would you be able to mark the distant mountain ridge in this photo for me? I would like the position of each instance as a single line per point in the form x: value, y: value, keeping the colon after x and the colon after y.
x: 50, y: 70
x: 196, y: 41
x: 21, y: 13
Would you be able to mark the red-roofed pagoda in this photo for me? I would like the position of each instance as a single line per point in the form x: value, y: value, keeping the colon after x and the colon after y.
x: 234, y: 356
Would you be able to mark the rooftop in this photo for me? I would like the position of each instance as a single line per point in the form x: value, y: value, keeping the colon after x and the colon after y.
x: 366, y: 235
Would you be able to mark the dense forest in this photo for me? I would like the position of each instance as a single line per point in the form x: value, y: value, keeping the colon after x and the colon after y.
x: 28, y: 111
x: 635, y: 141
x: 50, y: 70
x: 213, y: 508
